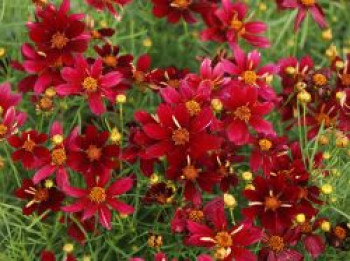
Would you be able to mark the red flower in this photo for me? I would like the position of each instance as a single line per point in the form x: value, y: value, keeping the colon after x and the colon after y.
x: 50, y: 256
x: 227, y: 24
x: 142, y: 70
x: 29, y: 148
x: 91, y: 154
x: 245, y: 71
x: 8, y: 99
x: 303, y: 7
x: 184, y: 214
x: 59, y: 34
x: 100, y: 5
x: 57, y: 161
x: 176, y: 9
x: 78, y: 228
x: 159, y: 193
x: 85, y: 79
x: 314, y: 244
x: 98, y: 197
x: 170, y: 76
x: 40, y: 197
x: 273, y: 200
x: 242, y: 110
x: 175, y: 130
x: 228, y: 243
x: 10, y: 122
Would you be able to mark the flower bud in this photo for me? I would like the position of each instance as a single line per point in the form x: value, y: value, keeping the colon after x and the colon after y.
x: 326, y: 189
x: 327, y: 35
x: 230, y: 201
x: 68, y: 248
x: 326, y: 226
x: 247, y: 176
x: 290, y: 70
x: 300, y: 218
x: 216, y: 104
x: 304, y: 97
x: 121, y: 98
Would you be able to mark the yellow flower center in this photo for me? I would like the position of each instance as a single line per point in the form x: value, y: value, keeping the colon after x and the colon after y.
x: 59, y: 156
x: 98, y: 195
x: 190, y: 172
x: 237, y: 25
x: 276, y: 243
x: 272, y: 203
x: 265, y: 144
x: 93, y: 153
x: 90, y: 84
x: 180, y: 136
x: 243, y: 113
x: 223, y: 239
x: 249, y: 77
x: 319, y: 79
x: 41, y: 195
x: 193, y: 107
x: 59, y: 40
x: 3, y: 129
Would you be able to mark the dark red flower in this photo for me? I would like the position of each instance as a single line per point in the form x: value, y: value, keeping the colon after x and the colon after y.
x: 273, y: 200
x: 175, y: 130
x: 29, y: 148
x: 59, y: 34
x: 159, y: 193
x: 339, y: 236
x: 228, y: 243
x: 99, y: 197
x: 242, y: 109
x: 84, y: 79
x: 91, y: 155
x: 166, y: 77
x: 184, y: 214
x: 7, y: 98
x: 109, y: 5
x: 10, y: 122
x: 40, y: 197
x: 50, y: 256
x: 304, y: 6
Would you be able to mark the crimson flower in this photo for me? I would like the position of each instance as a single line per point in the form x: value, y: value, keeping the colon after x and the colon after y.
x: 182, y: 215
x: 99, y: 197
x: 304, y: 6
x: 227, y: 24
x: 7, y: 98
x: 10, y: 122
x: 159, y: 193
x: 59, y: 34
x: 91, y: 155
x: 163, y: 77
x: 50, y: 256
x: 245, y: 71
x: 243, y: 110
x: 100, y: 5
x: 273, y: 200
x: 175, y: 130
x: 40, y: 197
x: 85, y: 79
x: 228, y: 243
x: 314, y: 243
x: 57, y: 161
x: 29, y: 149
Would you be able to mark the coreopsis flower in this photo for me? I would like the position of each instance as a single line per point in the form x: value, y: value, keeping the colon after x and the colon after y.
x: 89, y: 80
x: 176, y: 131
x: 182, y: 215
x: 159, y: 193
x: 57, y: 163
x: 29, y: 148
x: 266, y: 147
x: 194, y: 175
x: 142, y: 70
x: 339, y: 236
x: 109, y: 5
x: 305, y: 6
x: 57, y: 33
x: 163, y: 257
x: 167, y: 77
x: 10, y: 122
x: 174, y: 10
x: 273, y: 200
x: 113, y: 61
x: 229, y: 243
x: 228, y: 24
x: 50, y: 256
x: 98, y: 197
x: 75, y: 224
x: 242, y: 109
x: 279, y: 245
x: 343, y: 72
x: 92, y: 155
x: 7, y: 98
x: 245, y: 71
x: 40, y: 197
x: 102, y: 33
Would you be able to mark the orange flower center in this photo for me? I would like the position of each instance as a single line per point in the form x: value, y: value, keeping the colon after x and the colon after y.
x: 340, y: 232
x: 243, y: 113
x: 110, y: 61
x: 345, y: 79
x: 95, y: 34
x: 323, y: 118
x: 29, y: 145
x: 319, y: 79
x: 98, y: 195
x: 45, y: 104
x: 93, y: 153
x: 59, y: 156
x: 3, y: 129
x: 249, y: 77
x: 41, y: 195
x: 308, y: 2
x: 306, y: 228
x: 265, y: 144
x: 193, y: 107
x: 139, y: 76
x: 90, y: 84
x: 174, y: 83
x: 59, y: 40
x: 276, y: 243
x: 223, y: 239
x: 272, y: 203
x: 196, y: 216
x: 237, y: 25
x: 182, y: 4
x: 190, y: 172
x: 181, y: 136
